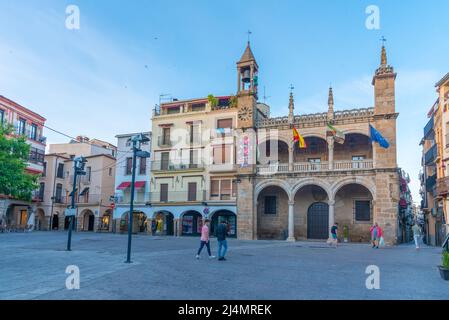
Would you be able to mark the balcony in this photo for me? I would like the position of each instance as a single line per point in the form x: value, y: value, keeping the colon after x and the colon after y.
x: 222, y: 167
x: 431, y: 182
x: 221, y: 133
x: 315, y: 167
x: 431, y: 155
x: 443, y: 186
x: 177, y: 196
x: 164, y: 142
x: 428, y: 128
x: 90, y: 199
x: 176, y: 166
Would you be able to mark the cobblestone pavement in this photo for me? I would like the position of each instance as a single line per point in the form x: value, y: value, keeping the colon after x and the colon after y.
x: 32, y: 266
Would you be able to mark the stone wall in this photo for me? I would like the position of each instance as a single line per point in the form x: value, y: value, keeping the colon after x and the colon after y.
x: 272, y: 226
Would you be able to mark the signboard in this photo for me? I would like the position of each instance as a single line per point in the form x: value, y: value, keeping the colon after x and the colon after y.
x: 245, y: 152
x: 69, y: 212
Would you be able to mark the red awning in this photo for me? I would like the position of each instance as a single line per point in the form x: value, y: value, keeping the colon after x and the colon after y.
x: 123, y: 185
x: 139, y: 184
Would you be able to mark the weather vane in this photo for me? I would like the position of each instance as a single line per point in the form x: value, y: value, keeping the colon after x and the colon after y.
x: 383, y: 40
x: 249, y: 34
x: 291, y: 88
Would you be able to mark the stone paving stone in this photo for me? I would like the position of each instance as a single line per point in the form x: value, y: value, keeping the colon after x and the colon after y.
x: 32, y: 266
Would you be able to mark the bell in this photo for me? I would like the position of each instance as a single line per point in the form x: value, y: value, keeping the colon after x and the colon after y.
x: 246, y: 78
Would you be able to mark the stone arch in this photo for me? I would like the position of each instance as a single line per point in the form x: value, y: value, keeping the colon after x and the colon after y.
x: 272, y: 183
x: 310, y: 182
x: 356, y: 131
x: 191, y: 223
x: 139, y: 221
x: 88, y: 220
x: 336, y: 186
x: 224, y: 214
x: 315, y: 134
x: 40, y: 220
x: 163, y: 223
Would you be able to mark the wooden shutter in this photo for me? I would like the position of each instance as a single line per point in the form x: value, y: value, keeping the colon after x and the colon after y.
x: 164, y: 192
x: 192, y: 191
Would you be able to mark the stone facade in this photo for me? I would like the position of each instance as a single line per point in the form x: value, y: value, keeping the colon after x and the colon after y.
x: 334, y: 178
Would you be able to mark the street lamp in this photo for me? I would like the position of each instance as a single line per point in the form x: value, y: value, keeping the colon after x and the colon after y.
x: 78, y: 169
x: 137, y: 140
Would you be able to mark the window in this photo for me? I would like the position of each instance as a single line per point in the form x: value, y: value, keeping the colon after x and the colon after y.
x: 223, y: 189
x: 224, y: 127
x: 166, y: 136
x: 194, y: 131
x: 222, y: 154
x: 270, y: 205
x: 58, y: 195
x: 36, y: 156
x: 2, y: 116
x: 41, y: 191
x: 60, y: 173
x: 44, y: 172
x: 362, y: 210
x: 193, y: 159
x: 129, y: 166
x: 191, y: 196
x: 33, y: 132
x: 165, y: 156
x: 88, y: 173
x: 110, y: 172
x: 21, y: 126
x: 143, y: 166
x: 164, y: 192
x: 215, y: 188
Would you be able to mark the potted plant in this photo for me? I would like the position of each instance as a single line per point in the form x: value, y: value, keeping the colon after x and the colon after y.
x: 444, y: 268
x: 212, y: 101
x: 345, y: 233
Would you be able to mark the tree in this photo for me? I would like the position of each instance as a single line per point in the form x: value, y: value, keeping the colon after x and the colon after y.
x: 14, y: 153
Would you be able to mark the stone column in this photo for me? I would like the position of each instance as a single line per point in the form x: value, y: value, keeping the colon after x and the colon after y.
x: 330, y: 145
x: 291, y: 221
x: 290, y: 157
x: 331, y: 215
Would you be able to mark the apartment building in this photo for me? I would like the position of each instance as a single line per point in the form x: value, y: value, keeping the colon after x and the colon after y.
x: 30, y: 124
x: 123, y: 177
x: 94, y: 191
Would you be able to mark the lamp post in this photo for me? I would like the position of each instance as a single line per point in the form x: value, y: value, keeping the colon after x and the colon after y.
x: 78, y: 169
x: 137, y: 141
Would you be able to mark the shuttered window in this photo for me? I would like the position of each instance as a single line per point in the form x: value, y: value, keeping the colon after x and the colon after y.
x: 224, y: 123
x: 164, y: 192
x: 270, y: 205
x: 362, y: 210
x: 192, y: 191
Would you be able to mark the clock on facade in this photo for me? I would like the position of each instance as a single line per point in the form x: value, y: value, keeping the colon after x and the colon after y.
x: 245, y: 113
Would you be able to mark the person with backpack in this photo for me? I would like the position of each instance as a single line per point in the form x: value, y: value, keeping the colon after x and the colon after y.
x: 222, y: 233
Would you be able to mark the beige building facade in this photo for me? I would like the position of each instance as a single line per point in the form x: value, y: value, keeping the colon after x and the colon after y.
x: 94, y: 191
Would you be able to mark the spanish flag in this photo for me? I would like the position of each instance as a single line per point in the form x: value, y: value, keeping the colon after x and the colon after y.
x: 298, y: 138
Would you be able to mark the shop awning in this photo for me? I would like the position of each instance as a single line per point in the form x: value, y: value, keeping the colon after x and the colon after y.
x: 123, y: 185
x: 86, y: 190
x: 139, y: 184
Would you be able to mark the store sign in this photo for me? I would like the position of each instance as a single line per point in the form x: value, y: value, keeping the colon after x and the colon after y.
x: 69, y: 212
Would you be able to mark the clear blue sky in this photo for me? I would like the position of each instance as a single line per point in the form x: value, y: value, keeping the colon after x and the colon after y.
x: 105, y: 78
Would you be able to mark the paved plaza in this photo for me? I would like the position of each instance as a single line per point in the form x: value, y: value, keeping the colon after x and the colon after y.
x: 33, y: 265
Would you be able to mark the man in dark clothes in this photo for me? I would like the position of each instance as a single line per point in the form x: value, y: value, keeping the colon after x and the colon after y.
x: 222, y: 232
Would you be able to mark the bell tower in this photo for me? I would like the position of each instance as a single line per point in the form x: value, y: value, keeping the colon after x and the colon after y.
x: 247, y: 83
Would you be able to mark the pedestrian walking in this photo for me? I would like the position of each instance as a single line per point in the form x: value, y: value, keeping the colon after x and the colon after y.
x: 416, y: 234
x: 205, y: 241
x: 374, y: 236
x: 334, y: 231
x: 222, y: 232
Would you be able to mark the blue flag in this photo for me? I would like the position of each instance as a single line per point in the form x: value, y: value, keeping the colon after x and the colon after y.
x: 377, y: 137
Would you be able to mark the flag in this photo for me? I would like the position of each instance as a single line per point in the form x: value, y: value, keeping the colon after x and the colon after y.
x: 298, y: 138
x: 377, y: 137
x: 339, y: 136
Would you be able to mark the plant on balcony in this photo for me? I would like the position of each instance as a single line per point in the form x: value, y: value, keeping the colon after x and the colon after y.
x: 212, y: 101
x: 14, y: 155
x: 444, y: 267
x: 232, y: 101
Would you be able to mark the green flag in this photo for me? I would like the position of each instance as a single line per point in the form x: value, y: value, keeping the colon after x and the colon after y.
x: 338, y: 135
